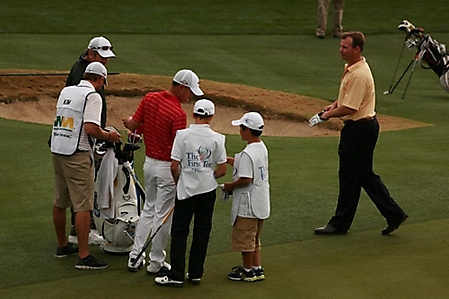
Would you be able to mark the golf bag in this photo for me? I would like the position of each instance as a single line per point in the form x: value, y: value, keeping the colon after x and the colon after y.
x: 430, y: 53
x: 433, y: 55
x: 118, y: 196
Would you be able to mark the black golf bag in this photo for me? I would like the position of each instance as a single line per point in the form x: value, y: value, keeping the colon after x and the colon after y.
x: 118, y: 196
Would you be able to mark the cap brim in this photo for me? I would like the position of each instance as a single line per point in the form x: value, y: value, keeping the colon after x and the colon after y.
x: 106, y: 54
x: 197, y: 91
x: 236, y: 123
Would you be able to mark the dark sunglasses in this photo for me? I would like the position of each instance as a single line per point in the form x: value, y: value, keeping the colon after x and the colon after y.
x: 104, y: 48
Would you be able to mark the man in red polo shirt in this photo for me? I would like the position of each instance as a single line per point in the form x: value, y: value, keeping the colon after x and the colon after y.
x: 161, y: 115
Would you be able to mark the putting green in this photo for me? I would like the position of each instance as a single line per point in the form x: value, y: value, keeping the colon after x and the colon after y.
x: 410, y: 263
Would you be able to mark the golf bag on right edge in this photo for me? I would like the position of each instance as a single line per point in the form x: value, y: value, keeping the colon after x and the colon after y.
x: 431, y: 54
x: 118, y: 197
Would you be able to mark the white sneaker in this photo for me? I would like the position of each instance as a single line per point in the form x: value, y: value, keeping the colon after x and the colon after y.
x: 95, y: 237
x: 156, y: 269
x: 134, y: 267
x: 165, y: 281
x: 73, y: 239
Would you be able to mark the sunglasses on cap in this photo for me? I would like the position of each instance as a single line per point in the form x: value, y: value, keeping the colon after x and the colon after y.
x: 104, y: 48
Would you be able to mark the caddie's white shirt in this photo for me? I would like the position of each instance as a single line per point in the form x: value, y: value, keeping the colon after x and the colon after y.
x: 92, y: 114
x: 252, y: 201
x: 198, y: 149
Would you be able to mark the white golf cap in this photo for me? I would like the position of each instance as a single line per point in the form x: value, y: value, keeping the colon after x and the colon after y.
x: 252, y: 120
x: 97, y: 68
x: 204, y: 107
x: 190, y: 79
x: 102, y: 46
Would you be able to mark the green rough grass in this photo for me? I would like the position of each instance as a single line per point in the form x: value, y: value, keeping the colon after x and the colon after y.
x: 208, y: 17
x: 258, y: 43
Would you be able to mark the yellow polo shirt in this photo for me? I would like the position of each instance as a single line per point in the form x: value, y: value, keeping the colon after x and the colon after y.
x: 357, y: 91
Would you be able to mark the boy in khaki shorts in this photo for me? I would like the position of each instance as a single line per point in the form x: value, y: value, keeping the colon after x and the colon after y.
x: 251, y: 202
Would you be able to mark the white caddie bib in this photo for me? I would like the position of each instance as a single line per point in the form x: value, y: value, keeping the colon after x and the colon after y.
x: 68, y: 123
x: 253, y: 201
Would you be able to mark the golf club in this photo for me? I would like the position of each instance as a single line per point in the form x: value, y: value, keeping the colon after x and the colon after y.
x: 145, y: 246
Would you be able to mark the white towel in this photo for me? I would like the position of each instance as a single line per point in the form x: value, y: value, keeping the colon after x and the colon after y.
x: 105, y: 184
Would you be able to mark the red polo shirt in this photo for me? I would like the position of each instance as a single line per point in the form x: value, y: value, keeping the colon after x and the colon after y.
x: 161, y: 115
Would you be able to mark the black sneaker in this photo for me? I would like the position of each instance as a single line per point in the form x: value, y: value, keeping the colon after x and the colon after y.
x: 259, y: 273
x: 69, y: 249
x: 90, y: 263
x: 240, y: 274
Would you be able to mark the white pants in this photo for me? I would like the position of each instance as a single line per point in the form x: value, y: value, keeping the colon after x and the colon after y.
x: 160, y: 192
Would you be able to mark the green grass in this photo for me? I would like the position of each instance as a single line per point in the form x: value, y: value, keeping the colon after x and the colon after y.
x: 208, y: 17
x: 258, y: 43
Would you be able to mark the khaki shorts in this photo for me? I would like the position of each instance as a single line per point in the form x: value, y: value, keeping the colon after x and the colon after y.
x: 246, y: 234
x: 74, y: 181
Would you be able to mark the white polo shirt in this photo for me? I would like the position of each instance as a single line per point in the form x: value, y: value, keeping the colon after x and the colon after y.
x: 92, y: 114
x: 198, y: 149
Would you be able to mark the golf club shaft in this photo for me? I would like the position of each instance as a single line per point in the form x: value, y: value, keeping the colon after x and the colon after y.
x: 145, y: 246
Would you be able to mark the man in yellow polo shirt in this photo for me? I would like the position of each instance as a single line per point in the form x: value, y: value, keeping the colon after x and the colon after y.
x: 356, y: 107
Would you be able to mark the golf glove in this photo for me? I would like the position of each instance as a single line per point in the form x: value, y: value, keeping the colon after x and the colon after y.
x: 316, y: 119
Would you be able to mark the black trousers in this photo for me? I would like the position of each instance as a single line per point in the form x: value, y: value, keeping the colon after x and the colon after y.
x: 357, y: 143
x: 201, y: 208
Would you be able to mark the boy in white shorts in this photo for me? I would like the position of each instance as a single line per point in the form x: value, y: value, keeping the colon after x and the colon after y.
x: 198, y: 159
x: 251, y: 203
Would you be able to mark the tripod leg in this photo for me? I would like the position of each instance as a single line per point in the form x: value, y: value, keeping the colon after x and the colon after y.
x: 397, y: 66
x: 410, y: 78
x: 400, y: 78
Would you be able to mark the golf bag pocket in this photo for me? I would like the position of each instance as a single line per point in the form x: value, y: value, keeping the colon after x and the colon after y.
x: 119, y: 232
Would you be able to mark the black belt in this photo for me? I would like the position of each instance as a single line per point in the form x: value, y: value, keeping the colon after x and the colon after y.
x: 361, y: 120
x: 81, y: 151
